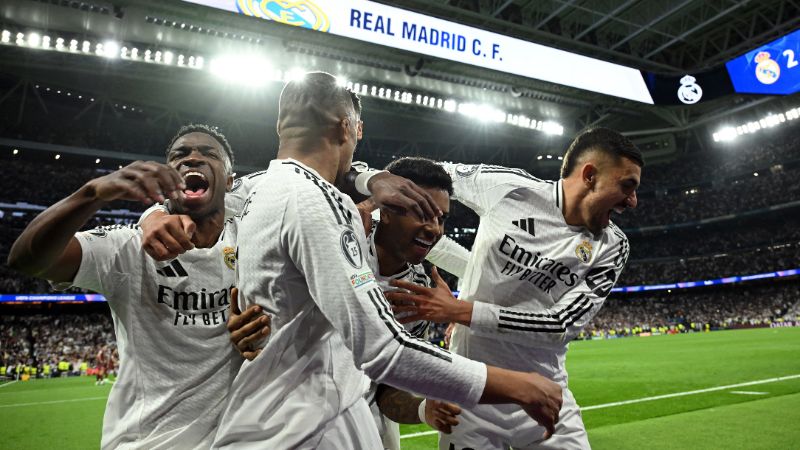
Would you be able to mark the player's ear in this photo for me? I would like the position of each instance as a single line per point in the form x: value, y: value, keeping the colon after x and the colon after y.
x: 589, y: 174
x: 343, y: 130
x: 229, y: 183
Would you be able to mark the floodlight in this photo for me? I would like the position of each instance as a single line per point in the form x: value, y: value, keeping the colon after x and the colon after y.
x: 111, y: 49
x: 34, y: 39
x: 295, y: 74
x: 242, y: 69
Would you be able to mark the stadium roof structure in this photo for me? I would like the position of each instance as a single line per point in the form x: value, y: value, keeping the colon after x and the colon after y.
x: 668, y: 38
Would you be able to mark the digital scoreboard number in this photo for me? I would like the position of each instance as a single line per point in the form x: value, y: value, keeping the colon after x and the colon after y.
x: 770, y: 69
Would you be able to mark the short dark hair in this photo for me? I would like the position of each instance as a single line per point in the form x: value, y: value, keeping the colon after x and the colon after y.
x: 205, y: 129
x: 422, y: 171
x: 317, y: 100
x: 604, y: 140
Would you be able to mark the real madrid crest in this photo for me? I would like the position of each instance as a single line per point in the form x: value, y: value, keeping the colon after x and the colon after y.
x: 229, y: 256
x: 584, y: 251
x: 465, y: 170
x: 767, y: 70
x: 690, y: 92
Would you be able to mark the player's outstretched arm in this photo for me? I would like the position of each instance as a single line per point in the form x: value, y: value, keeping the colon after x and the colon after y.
x: 325, y: 241
x: 433, y: 304
x: 404, y: 407
x: 558, y: 324
x: 450, y: 256
x: 47, y: 248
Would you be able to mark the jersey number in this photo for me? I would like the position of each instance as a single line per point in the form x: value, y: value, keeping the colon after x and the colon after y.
x: 600, y: 280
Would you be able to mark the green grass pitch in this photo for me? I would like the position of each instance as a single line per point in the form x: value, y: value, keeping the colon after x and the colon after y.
x: 67, y: 413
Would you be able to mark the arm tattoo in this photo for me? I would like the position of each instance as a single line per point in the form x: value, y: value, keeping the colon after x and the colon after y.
x: 398, y: 405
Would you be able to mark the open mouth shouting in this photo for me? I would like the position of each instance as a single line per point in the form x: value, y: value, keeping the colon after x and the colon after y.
x: 197, y: 185
x: 422, y: 246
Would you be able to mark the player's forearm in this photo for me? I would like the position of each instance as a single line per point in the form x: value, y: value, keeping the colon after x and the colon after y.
x: 399, y: 406
x: 46, y: 237
x: 555, y: 326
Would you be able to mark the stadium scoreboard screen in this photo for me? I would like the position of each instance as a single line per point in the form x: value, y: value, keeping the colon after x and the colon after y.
x: 405, y: 30
x: 769, y: 69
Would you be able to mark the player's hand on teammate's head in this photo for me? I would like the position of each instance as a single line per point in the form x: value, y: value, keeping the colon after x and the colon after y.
x: 365, y: 209
x: 441, y: 415
x: 141, y: 181
x: 423, y: 303
x: 400, y: 194
x: 165, y: 236
x: 247, y: 328
x: 544, y: 403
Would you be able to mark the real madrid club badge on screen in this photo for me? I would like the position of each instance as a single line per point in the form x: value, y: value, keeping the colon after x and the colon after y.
x: 584, y: 251
x: 767, y: 70
x: 690, y: 92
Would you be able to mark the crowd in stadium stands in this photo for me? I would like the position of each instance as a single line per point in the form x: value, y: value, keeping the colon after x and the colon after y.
x: 709, y: 241
x: 71, y: 342
x: 690, y: 310
x: 722, y: 161
x: 132, y: 136
x: 762, y: 260
x: 53, y: 344
x: 726, y: 198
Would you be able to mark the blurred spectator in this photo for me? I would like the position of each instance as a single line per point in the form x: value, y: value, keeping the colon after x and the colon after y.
x: 692, y: 310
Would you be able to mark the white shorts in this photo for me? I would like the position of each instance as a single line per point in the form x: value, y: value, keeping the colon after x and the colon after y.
x: 488, y: 427
x: 353, y: 429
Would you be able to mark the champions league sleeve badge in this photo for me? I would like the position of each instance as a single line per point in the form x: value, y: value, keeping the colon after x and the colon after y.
x: 584, y: 251
x: 690, y: 92
x: 229, y: 256
x: 767, y: 70
x: 351, y: 249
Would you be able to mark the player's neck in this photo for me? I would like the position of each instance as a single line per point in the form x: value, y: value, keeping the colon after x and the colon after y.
x: 571, y: 207
x: 208, y: 229
x: 317, y: 154
x: 388, y: 263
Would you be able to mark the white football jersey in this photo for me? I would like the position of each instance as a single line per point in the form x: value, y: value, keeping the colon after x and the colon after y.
x: 302, y: 258
x: 535, y: 281
x: 176, y: 362
x: 413, y: 273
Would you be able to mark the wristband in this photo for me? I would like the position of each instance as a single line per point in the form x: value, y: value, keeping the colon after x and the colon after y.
x: 363, y: 178
x: 156, y: 207
x: 421, y: 411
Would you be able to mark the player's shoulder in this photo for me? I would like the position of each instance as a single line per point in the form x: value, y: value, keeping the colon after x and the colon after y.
x: 246, y: 182
x: 314, y: 194
x: 117, y: 232
x: 515, y: 176
x: 615, y: 233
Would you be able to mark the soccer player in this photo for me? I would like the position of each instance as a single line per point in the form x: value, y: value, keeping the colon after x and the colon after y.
x: 398, y: 243
x: 301, y: 259
x: 176, y: 361
x: 545, y: 257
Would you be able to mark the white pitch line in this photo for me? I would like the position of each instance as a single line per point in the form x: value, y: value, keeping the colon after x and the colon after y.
x: 749, y: 393
x: 657, y: 397
x: 53, y: 402
x: 699, y: 391
x: 421, y: 433
x: 8, y: 384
